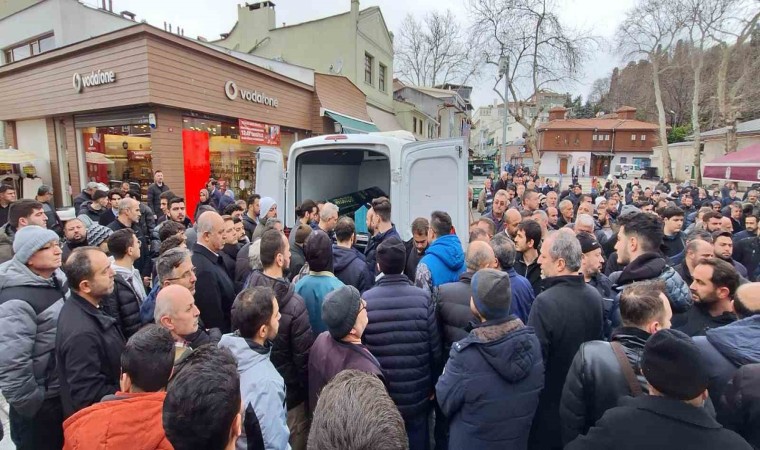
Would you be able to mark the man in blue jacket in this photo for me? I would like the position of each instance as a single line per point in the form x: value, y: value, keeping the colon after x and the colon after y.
x: 492, y: 381
x: 444, y: 259
x: 403, y: 335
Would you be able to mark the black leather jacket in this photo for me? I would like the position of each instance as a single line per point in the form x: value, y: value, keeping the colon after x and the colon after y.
x: 596, y: 382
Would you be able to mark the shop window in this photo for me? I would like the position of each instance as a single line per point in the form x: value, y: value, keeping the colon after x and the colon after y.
x: 381, y: 78
x: 118, y: 153
x: 229, y: 158
x: 368, y: 63
x: 30, y: 48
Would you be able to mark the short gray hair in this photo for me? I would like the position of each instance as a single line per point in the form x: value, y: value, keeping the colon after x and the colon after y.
x: 327, y: 210
x: 585, y: 219
x: 505, y: 250
x: 566, y: 247
x: 254, y: 255
x: 564, y: 204
x: 477, y: 258
x: 544, y: 216
x: 170, y: 260
x: 126, y: 203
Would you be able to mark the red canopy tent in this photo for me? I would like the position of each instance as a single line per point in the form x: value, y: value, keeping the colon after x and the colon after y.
x: 743, y: 165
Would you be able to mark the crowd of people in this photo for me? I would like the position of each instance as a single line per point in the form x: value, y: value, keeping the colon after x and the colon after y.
x: 622, y: 317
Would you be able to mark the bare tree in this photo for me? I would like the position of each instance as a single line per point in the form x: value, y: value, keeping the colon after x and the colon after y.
x: 732, y: 93
x: 599, y: 90
x: 433, y: 51
x: 650, y: 29
x: 541, y: 52
x: 705, y: 18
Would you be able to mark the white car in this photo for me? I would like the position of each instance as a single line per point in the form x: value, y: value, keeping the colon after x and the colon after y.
x: 628, y: 170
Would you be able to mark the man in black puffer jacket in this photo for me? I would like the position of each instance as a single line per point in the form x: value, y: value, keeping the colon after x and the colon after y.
x: 350, y: 266
x: 596, y: 380
x: 453, y: 299
x: 403, y: 335
x: 291, y: 346
x: 128, y: 291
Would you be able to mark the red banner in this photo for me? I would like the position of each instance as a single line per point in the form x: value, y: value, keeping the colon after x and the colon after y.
x: 197, y: 167
x: 256, y: 133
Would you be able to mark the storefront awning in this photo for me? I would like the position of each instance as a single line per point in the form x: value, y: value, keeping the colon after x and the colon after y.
x: 743, y: 165
x: 351, y: 125
x: 385, y: 121
x: 610, y: 155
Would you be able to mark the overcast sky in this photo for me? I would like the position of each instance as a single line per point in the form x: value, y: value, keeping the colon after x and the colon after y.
x: 209, y: 18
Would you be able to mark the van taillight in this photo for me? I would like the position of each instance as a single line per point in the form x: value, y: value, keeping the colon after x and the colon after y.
x: 335, y: 137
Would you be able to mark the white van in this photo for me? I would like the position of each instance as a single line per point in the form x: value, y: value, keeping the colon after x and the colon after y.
x: 628, y: 170
x: 418, y: 177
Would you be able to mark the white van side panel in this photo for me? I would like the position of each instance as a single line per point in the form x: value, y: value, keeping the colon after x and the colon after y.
x: 270, y: 176
x: 434, y: 177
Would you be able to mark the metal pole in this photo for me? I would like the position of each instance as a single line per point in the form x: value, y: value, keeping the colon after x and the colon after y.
x: 506, y: 110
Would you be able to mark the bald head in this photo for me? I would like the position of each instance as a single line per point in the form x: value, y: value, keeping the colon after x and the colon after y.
x: 513, y: 219
x: 210, y: 228
x: 726, y: 225
x: 747, y: 300
x: 480, y: 255
x: 176, y: 310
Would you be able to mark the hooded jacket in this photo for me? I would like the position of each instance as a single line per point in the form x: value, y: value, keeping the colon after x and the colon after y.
x: 565, y: 315
x: 648, y: 266
x: 291, y: 346
x: 131, y: 421
x: 80, y: 199
x: 596, y: 381
x: 490, y: 388
x: 263, y: 395
x: 29, y: 310
x: 727, y: 348
x: 403, y: 335
x: 443, y: 262
x: 522, y: 295
x: 351, y: 268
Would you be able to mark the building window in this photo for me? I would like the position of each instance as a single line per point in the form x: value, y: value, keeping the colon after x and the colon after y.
x: 414, y: 124
x: 606, y: 137
x: 593, y: 138
x: 623, y: 160
x: 381, y: 78
x: 633, y: 137
x: 30, y: 48
x: 509, y: 128
x: 643, y: 137
x: 369, y: 61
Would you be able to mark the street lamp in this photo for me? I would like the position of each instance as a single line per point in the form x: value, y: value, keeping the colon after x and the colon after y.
x: 504, y: 72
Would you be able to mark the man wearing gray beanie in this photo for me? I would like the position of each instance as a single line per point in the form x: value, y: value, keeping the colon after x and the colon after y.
x: 31, y: 297
x: 340, y: 347
x: 498, y: 364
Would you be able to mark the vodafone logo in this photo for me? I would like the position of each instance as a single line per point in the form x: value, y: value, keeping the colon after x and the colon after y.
x: 232, y: 92
x: 94, y: 78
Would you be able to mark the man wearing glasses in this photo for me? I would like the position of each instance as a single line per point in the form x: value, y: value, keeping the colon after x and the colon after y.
x: 497, y: 214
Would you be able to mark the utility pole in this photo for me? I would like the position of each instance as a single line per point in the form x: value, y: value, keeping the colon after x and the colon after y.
x: 504, y: 72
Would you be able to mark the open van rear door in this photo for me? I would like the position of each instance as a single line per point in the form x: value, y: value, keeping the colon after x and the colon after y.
x: 270, y: 177
x: 434, y: 177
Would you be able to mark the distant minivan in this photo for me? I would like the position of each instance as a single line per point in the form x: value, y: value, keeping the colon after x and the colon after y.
x: 627, y: 170
x: 418, y: 177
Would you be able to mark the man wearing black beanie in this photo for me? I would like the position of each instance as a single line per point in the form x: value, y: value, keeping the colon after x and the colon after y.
x: 672, y: 415
x: 403, y: 335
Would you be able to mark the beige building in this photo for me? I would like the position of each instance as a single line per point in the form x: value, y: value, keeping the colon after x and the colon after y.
x: 355, y: 44
x: 713, y: 146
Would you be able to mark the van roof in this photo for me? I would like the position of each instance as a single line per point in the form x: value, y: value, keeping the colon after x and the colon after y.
x: 350, y: 139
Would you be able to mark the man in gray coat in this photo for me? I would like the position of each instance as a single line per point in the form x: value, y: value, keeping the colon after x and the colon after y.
x: 32, y: 293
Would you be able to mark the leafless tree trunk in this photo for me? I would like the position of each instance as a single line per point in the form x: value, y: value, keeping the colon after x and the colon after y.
x: 542, y: 53
x: 434, y: 51
x: 651, y: 28
x: 730, y: 99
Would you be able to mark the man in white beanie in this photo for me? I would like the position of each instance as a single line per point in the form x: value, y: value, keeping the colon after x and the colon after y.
x: 268, y: 211
x: 31, y: 297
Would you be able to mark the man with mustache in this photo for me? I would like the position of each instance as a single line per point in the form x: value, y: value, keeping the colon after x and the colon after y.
x: 713, y: 290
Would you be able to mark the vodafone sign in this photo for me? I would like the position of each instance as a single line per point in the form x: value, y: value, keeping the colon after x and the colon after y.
x: 94, y: 78
x: 232, y: 92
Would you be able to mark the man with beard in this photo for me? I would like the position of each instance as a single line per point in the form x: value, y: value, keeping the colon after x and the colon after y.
x: 379, y: 226
x: 727, y: 348
x: 497, y: 214
x: 697, y: 250
x: 88, y: 343
x: 290, y: 354
x: 712, y: 221
x: 592, y: 263
x: 713, y: 289
x: 639, y: 238
x: 724, y: 248
x: 416, y: 246
x: 750, y: 229
x: 75, y: 234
